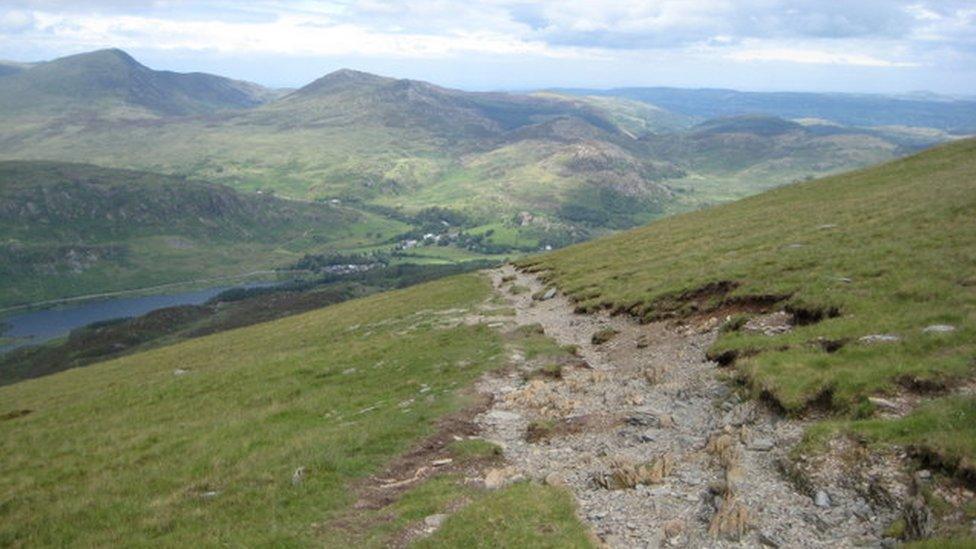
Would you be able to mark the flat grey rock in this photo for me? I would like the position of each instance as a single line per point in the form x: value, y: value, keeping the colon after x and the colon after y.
x: 822, y: 499
x: 879, y: 338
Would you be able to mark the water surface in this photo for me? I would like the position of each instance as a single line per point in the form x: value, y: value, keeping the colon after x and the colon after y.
x: 33, y: 327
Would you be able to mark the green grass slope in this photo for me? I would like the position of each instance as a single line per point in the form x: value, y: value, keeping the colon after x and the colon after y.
x: 128, y: 452
x: 70, y: 229
x: 885, y: 250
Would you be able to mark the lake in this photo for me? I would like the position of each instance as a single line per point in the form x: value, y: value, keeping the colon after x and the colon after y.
x: 39, y: 326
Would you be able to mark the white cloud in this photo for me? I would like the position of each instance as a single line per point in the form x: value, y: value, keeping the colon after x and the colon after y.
x: 16, y: 20
x: 870, y: 33
x: 813, y: 57
x: 289, y: 34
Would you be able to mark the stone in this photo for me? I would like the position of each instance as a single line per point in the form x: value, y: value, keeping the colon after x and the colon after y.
x: 939, y: 329
x: 883, y: 403
x: 879, y: 338
x: 299, y: 475
x: 770, y: 324
x: 497, y: 478
x: 769, y: 540
x: 442, y: 462
x: 762, y: 445
x: 923, y: 474
x: 822, y: 499
x: 918, y: 519
x: 643, y: 419
x: 434, y: 522
x: 555, y: 479
x: 550, y: 293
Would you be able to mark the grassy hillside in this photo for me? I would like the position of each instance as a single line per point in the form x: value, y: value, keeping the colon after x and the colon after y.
x: 68, y: 229
x: 197, y: 443
x: 887, y: 250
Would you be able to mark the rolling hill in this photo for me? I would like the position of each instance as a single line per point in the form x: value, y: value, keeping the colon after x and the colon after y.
x: 948, y: 114
x: 110, y: 83
x: 71, y: 229
x: 569, y: 161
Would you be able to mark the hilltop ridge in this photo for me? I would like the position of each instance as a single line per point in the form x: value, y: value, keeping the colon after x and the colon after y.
x: 113, y: 79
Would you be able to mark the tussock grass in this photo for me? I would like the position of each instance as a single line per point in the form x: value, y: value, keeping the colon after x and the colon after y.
x: 942, y: 432
x: 521, y: 515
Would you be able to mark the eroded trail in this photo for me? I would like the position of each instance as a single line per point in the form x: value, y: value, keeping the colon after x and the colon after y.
x: 654, y: 445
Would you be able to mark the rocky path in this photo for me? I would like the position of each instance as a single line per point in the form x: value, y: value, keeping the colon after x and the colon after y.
x: 656, y: 448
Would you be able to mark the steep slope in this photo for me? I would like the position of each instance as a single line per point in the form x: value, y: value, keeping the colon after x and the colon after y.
x: 886, y: 250
x: 850, y: 298
x: 72, y: 228
x: 110, y: 82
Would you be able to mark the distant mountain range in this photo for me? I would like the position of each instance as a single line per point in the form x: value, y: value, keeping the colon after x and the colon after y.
x: 919, y: 109
x: 522, y: 169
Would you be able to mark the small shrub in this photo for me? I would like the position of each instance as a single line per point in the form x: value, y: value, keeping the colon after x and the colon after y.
x: 474, y: 449
x: 552, y: 371
x: 603, y: 336
x: 539, y: 429
x: 517, y: 289
x: 734, y: 324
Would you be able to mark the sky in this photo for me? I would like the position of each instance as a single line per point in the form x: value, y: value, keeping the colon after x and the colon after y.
x: 873, y: 46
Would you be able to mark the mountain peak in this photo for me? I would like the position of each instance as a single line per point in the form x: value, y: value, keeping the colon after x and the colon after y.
x: 343, y: 79
x: 109, y: 56
x: 114, y: 79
